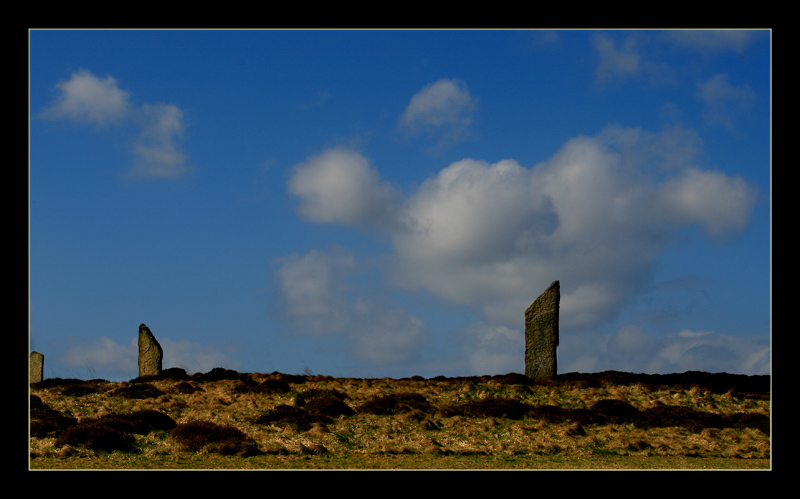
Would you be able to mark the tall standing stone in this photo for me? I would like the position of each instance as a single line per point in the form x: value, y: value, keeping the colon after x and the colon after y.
x: 36, y: 367
x: 541, y: 334
x: 150, y: 353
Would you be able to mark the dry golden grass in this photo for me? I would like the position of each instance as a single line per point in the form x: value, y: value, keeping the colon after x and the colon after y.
x: 416, y: 436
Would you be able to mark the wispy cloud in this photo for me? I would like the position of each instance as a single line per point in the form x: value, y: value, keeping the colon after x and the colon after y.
x: 157, y: 148
x: 489, y: 348
x: 632, y: 348
x: 444, y: 108
x: 108, y: 359
x: 314, y: 292
x: 492, y: 348
x: 103, y: 355
x: 714, y: 40
x: 646, y: 54
x: 724, y: 101
x: 318, y: 299
x: 614, y: 61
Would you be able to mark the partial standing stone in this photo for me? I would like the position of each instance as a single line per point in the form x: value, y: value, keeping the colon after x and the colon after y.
x: 36, y: 367
x: 150, y: 353
x: 541, y: 334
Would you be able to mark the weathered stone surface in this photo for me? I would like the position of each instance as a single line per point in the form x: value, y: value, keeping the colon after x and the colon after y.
x: 36, y: 367
x: 541, y: 334
x: 150, y: 353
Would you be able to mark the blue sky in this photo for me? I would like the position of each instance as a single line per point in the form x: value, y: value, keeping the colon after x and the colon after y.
x: 388, y: 203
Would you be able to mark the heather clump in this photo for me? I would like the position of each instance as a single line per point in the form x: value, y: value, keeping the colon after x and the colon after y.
x: 313, y: 393
x: 106, y: 436
x: 141, y: 421
x: 615, y: 411
x: 137, y: 391
x: 218, y: 374
x: 46, y: 421
x: 395, y: 403
x: 263, y: 387
x: 287, y: 415
x: 666, y: 416
x: 113, y: 431
x: 488, y: 408
x: 212, y: 437
x: 328, y: 405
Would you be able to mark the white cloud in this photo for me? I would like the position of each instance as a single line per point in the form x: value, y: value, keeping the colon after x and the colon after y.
x: 470, y: 212
x: 157, y: 150
x: 340, y: 186
x: 89, y: 99
x: 444, y: 105
x: 720, y: 203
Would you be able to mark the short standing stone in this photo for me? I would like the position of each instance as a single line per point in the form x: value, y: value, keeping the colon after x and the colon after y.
x: 150, y: 353
x: 541, y: 334
x: 36, y: 367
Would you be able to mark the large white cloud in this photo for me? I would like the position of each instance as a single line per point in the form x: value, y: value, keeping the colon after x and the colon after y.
x: 494, y: 235
x: 157, y: 148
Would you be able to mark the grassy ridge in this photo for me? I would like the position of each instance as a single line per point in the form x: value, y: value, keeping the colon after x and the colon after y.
x: 223, y: 419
